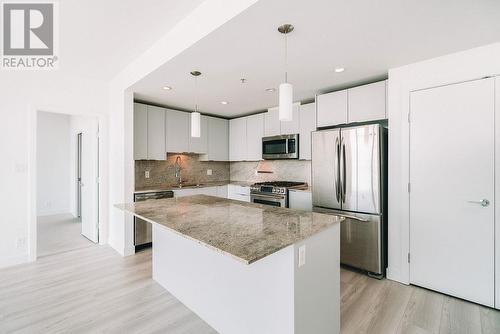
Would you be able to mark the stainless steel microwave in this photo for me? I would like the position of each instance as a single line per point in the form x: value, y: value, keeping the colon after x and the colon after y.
x: 280, y: 147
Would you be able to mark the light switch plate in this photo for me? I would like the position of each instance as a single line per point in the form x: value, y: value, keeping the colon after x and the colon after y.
x: 209, y: 172
x: 302, y: 255
x: 146, y: 174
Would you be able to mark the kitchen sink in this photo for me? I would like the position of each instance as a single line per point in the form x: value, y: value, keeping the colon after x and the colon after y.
x: 190, y: 185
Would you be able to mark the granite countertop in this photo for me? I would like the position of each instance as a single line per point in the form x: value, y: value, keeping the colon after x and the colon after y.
x: 246, y: 231
x: 191, y: 185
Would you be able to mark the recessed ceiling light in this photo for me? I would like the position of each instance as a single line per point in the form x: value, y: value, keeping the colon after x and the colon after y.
x: 224, y: 102
x: 339, y: 69
x: 167, y: 88
x: 270, y: 90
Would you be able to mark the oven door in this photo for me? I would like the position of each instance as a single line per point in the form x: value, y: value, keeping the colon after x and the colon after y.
x: 273, y: 200
x: 280, y: 147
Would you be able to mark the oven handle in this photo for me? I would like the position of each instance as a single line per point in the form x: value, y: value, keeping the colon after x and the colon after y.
x: 276, y: 198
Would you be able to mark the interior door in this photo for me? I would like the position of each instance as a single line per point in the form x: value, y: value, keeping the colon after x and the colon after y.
x: 89, y: 177
x: 452, y: 190
x: 325, y: 173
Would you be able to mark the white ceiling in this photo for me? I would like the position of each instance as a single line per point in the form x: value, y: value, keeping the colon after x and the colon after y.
x: 99, y: 38
x: 366, y: 37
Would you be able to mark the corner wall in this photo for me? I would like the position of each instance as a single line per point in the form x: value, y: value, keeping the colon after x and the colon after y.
x: 462, y: 66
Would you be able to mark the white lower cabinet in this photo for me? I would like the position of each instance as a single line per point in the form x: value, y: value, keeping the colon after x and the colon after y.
x: 300, y: 200
x: 222, y: 191
x: 239, y: 193
x: 211, y: 191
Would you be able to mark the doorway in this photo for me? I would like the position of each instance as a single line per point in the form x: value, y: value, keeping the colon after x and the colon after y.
x: 67, y: 171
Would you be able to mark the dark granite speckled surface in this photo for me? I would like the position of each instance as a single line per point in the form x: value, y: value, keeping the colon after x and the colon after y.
x: 246, y: 231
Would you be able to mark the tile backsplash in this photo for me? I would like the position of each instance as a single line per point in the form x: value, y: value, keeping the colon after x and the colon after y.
x: 162, y: 173
x: 274, y: 170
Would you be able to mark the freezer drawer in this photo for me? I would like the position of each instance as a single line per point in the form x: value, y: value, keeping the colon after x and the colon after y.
x: 361, y: 239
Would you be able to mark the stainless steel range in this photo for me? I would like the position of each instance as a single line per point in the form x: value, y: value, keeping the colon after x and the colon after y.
x: 273, y: 193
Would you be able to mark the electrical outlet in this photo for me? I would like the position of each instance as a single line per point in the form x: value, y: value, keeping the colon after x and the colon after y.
x: 302, y: 255
x: 146, y: 174
x: 209, y: 172
x: 21, y: 242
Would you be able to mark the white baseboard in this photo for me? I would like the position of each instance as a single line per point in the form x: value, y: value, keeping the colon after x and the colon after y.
x: 43, y: 213
x: 14, y: 260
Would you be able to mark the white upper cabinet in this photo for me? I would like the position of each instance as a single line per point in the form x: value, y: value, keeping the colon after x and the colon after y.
x: 178, y: 131
x: 140, y: 131
x: 199, y: 145
x: 218, y: 140
x: 238, y: 139
x: 291, y: 127
x: 368, y: 102
x: 272, y: 126
x: 332, y: 108
x: 255, y: 132
x: 156, y: 133
x: 307, y: 124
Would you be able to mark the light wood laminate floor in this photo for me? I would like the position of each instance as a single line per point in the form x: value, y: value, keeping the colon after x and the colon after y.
x: 94, y: 290
x: 59, y: 233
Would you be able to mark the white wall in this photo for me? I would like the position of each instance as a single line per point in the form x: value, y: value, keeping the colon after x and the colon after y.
x: 22, y: 94
x: 53, y: 163
x: 204, y: 19
x: 61, y: 91
x: 461, y: 66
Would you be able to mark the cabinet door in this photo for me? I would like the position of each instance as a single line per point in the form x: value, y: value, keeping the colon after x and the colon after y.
x: 222, y: 191
x: 156, y: 133
x: 291, y: 127
x: 178, y: 131
x: 140, y: 131
x: 218, y: 139
x: 238, y: 139
x: 199, y: 145
x: 332, y: 108
x: 255, y: 132
x: 272, y: 125
x: 368, y: 102
x: 300, y: 200
x: 307, y: 124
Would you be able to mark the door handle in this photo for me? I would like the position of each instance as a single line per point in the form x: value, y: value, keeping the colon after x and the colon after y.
x: 484, y: 202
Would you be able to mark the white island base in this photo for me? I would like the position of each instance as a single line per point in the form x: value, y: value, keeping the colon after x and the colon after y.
x: 270, y: 296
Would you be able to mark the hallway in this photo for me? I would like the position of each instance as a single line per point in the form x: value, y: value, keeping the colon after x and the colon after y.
x: 59, y: 233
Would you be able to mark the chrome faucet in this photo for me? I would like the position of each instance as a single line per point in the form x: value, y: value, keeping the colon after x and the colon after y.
x: 178, y: 168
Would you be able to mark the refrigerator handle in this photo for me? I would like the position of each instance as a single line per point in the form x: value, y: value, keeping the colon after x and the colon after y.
x: 337, y: 177
x: 342, y: 172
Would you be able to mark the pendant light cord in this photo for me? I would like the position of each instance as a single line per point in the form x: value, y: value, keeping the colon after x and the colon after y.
x: 196, y: 93
x: 286, y: 57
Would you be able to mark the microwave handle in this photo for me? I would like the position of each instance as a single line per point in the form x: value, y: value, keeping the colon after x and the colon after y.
x: 286, y: 146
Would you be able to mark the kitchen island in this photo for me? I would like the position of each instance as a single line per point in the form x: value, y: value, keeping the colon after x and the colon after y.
x: 247, y: 268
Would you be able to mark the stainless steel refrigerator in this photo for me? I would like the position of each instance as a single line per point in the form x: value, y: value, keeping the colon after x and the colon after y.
x: 349, y: 179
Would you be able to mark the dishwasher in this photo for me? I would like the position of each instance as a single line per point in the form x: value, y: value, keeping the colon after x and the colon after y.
x: 143, y: 229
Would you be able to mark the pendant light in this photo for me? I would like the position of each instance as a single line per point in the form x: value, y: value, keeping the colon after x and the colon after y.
x: 195, y: 115
x: 286, y: 89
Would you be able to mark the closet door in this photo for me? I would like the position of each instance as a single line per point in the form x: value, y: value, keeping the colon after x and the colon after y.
x: 452, y: 137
